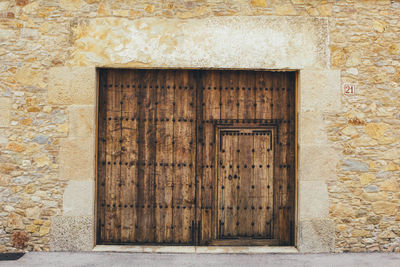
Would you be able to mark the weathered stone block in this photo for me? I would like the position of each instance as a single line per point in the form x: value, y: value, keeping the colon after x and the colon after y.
x: 354, y: 165
x: 313, y: 200
x: 316, y: 236
x: 72, y: 85
x: 312, y: 128
x: 317, y: 162
x: 71, y: 233
x: 78, y: 199
x: 82, y: 121
x: 5, y: 104
x: 77, y: 159
x: 385, y: 208
x: 320, y: 90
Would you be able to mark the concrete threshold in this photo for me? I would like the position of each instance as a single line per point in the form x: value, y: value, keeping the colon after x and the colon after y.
x: 196, y: 249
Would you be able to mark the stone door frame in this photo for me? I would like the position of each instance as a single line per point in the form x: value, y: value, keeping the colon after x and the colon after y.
x: 318, y: 93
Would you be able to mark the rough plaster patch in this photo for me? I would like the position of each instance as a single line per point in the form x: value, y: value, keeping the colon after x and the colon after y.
x: 78, y: 199
x: 71, y: 233
x: 218, y: 42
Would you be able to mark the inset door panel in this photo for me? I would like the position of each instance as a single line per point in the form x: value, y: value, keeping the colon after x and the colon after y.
x: 245, y: 182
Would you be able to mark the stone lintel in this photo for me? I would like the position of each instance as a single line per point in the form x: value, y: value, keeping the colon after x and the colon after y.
x: 238, y: 42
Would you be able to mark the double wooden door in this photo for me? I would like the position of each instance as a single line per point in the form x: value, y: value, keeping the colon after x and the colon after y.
x: 195, y: 157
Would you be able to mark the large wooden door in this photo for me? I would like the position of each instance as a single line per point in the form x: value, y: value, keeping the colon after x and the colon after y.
x: 169, y: 170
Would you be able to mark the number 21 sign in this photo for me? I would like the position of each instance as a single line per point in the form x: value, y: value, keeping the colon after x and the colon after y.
x: 349, y: 89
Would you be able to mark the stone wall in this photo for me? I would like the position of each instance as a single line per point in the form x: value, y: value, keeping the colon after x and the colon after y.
x: 47, y: 105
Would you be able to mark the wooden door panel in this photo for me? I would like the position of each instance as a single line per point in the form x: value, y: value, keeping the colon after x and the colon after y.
x: 245, y: 164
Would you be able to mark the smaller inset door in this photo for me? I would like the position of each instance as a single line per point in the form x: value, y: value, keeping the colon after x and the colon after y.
x: 245, y: 183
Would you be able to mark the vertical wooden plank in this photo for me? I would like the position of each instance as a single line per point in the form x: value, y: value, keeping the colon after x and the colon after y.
x: 124, y: 176
x: 101, y: 158
x: 117, y: 184
x: 244, y: 201
x: 263, y: 186
x: 165, y: 98
x: 128, y: 157
x: 113, y: 157
x: 150, y: 139
x: 285, y: 231
x: 290, y: 155
x: 146, y: 155
x: 228, y: 187
x: 279, y: 226
x: 209, y: 104
x: 184, y: 144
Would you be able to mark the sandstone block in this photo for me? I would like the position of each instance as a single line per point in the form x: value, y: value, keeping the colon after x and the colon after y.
x: 32, y: 228
x: 359, y: 233
x: 391, y: 167
x: 78, y: 199
x: 33, y: 213
x: 376, y: 130
x: 313, y: 200
x: 354, y: 165
x: 77, y: 159
x: 5, y: 104
x: 71, y: 233
x: 312, y: 128
x: 323, y: 156
x: 341, y: 211
x: 258, y: 3
x: 324, y: 95
x: 44, y: 230
x: 384, y: 208
x: 82, y: 121
x: 71, y: 5
x: 27, y: 76
x: 316, y: 236
x: 72, y: 85
x: 390, y: 185
x: 16, y: 147
x: 15, y: 221
x: 367, y: 178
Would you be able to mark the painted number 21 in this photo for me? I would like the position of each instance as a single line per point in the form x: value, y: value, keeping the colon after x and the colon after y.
x: 349, y: 89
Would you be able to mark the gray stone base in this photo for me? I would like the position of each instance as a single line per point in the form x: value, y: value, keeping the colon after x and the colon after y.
x: 316, y: 235
x: 71, y: 233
